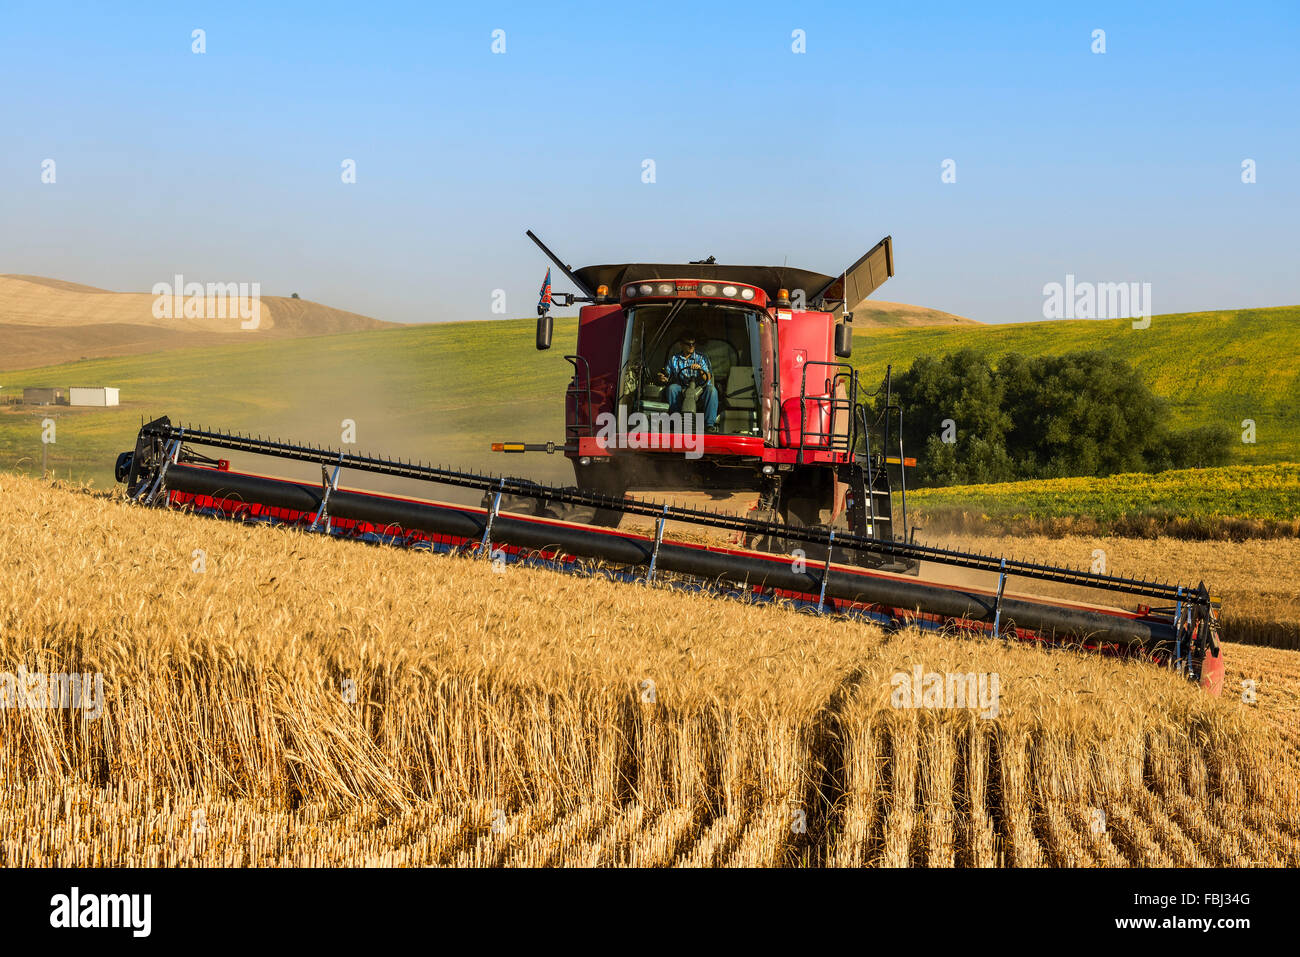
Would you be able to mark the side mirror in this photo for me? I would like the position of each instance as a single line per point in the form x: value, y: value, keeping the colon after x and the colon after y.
x: 545, y: 326
x: 843, y: 340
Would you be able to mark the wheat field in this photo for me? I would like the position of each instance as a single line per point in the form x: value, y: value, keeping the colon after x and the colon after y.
x: 1257, y: 580
x: 272, y: 698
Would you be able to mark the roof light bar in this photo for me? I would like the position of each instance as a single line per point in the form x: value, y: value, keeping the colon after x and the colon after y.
x: 692, y: 287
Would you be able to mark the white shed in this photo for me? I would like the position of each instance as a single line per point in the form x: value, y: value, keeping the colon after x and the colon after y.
x: 101, y: 396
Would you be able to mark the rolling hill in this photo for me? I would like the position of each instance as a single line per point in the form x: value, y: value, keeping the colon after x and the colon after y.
x: 43, y: 321
x: 412, y: 392
x: 877, y: 314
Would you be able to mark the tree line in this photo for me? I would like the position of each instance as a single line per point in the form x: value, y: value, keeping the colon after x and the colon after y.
x: 970, y: 420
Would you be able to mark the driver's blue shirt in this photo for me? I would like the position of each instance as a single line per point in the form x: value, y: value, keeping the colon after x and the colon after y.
x: 679, y: 370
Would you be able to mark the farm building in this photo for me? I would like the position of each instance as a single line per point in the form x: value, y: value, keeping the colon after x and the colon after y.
x: 101, y: 396
x: 43, y: 396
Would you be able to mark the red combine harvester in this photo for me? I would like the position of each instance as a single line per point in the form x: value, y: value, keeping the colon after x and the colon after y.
x: 701, y: 376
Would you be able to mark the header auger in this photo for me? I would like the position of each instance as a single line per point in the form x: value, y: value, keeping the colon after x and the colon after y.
x: 716, y: 377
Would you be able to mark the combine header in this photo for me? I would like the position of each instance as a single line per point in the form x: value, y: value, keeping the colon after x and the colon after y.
x: 704, y: 376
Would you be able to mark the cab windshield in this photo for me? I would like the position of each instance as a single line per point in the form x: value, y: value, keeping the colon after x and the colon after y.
x: 732, y: 339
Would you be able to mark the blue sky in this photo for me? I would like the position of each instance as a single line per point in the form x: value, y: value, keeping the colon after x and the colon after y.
x: 225, y: 166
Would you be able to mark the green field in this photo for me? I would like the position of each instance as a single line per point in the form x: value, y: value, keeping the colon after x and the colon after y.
x: 437, y: 393
x: 1212, y: 367
x: 443, y: 392
x: 1235, y: 500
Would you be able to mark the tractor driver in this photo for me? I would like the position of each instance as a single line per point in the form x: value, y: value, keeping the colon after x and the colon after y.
x: 688, y: 368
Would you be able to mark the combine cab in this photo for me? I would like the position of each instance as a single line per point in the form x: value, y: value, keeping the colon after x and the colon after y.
x: 785, y: 419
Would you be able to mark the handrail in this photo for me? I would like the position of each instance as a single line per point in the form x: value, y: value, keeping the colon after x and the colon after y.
x: 578, y: 430
x: 846, y: 373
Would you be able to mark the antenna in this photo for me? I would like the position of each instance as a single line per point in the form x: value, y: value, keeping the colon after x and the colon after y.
x: 586, y: 290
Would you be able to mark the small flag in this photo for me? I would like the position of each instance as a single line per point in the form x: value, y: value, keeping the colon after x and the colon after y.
x: 544, y: 297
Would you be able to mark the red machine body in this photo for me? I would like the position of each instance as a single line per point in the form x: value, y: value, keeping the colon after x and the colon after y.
x: 707, y: 376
